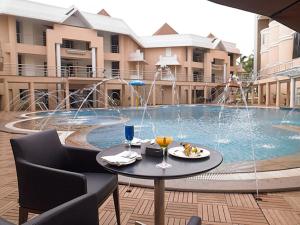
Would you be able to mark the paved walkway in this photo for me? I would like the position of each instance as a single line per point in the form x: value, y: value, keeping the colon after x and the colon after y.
x: 137, y: 205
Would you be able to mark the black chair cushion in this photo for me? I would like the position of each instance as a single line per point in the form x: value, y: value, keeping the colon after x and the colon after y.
x: 101, y: 184
x: 5, y: 222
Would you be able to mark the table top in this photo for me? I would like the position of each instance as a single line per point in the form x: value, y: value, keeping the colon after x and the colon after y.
x: 146, y: 169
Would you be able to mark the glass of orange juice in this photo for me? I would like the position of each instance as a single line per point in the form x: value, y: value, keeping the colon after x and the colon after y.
x: 163, y: 142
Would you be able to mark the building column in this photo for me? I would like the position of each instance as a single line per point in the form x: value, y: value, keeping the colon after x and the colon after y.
x: 67, y: 92
x: 259, y: 94
x: 190, y: 94
x: 252, y: 95
x: 205, y: 94
x: 178, y: 96
x: 224, y: 73
x: 123, y: 95
x: 131, y: 96
x: 6, y: 96
x: 195, y: 95
x: 173, y: 94
x: 267, y: 94
x: 58, y: 60
x: 278, y: 93
x: 94, y: 62
x: 292, y: 92
x: 154, y: 95
x: 31, y: 97
x: 105, y: 96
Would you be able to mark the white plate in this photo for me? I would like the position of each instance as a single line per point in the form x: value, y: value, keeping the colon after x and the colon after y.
x: 179, y: 152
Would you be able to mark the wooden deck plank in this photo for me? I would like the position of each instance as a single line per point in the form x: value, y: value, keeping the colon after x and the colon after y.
x: 138, y: 205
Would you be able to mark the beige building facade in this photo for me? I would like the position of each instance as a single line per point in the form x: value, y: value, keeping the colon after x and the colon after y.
x: 51, y: 57
x: 277, y: 65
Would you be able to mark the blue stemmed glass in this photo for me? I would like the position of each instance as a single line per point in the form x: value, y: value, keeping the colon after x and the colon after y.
x: 129, y: 133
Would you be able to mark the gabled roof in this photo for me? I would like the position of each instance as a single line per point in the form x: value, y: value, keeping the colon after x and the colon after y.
x: 73, y: 11
x: 165, y: 29
x: 103, y: 12
x: 39, y: 11
x: 181, y: 40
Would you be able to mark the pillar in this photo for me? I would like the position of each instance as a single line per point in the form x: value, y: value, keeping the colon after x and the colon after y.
x: 105, y: 96
x: 58, y: 60
x: 173, y: 94
x: 195, y: 95
x: 94, y: 61
x: 31, y: 97
x: 267, y: 94
x: 278, y: 93
x: 224, y: 73
x: 288, y: 97
x: 6, y: 96
x: 259, y: 94
x: 205, y: 94
x: 123, y: 95
x: 190, y: 94
x: 67, y: 92
x: 131, y: 96
x: 154, y: 95
x: 292, y: 92
x: 252, y: 95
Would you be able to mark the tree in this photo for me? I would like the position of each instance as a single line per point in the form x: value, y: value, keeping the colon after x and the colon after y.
x: 247, y: 63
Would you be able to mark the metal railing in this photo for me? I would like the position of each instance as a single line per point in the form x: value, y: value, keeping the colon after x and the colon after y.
x: 87, y: 72
x: 115, y: 49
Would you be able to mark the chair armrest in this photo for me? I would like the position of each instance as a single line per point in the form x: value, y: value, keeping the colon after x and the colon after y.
x: 195, y: 220
x: 43, y: 188
x: 84, y: 160
x: 79, y: 211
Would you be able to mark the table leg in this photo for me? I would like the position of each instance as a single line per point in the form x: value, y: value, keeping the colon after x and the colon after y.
x: 159, y: 202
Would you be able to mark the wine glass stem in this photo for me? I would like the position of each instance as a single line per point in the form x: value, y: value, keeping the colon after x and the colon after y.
x: 164, y: 155
x: 129, y: 143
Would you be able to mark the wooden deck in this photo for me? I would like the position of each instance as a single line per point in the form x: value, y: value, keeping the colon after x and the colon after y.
x: 137, y: 205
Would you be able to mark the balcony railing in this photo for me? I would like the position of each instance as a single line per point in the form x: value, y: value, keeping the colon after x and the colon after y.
x: 198, y: 77
x: 114, y: 48
x: 87, y: 72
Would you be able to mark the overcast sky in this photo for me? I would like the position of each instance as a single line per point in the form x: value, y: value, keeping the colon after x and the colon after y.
x: 186, y: 17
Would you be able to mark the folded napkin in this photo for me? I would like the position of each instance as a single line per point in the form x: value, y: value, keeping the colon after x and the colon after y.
x: 138, y: 141
x: 123, y: 158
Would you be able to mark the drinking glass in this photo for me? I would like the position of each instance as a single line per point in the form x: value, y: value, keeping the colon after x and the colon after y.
x: 129, y: 134
x: 164, y: 142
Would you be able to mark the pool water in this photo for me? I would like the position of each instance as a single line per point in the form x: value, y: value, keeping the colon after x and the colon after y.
x: 235, y: 132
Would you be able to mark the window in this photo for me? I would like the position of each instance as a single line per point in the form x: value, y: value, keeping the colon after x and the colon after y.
x: 115, y: 68
x: 67, y: 44
x: 168, y: 52
x: 114, y: 43
x: 44, y: 38
x: 296, y: 46
x: 18, y: 31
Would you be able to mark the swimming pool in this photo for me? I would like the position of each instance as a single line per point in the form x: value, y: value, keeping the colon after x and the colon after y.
x: 233, y: 131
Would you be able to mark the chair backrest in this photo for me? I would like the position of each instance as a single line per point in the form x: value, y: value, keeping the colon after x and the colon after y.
x: 42, y: 148
x: 82, y: 210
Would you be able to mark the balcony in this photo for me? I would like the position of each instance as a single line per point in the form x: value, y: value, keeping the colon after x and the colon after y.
x: 136, y: 56
x: 217, y: 67
x: 32, y: 39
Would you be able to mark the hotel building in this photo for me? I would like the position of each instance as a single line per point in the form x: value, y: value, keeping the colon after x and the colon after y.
x: 277, y: 65
x: 49, y: 52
